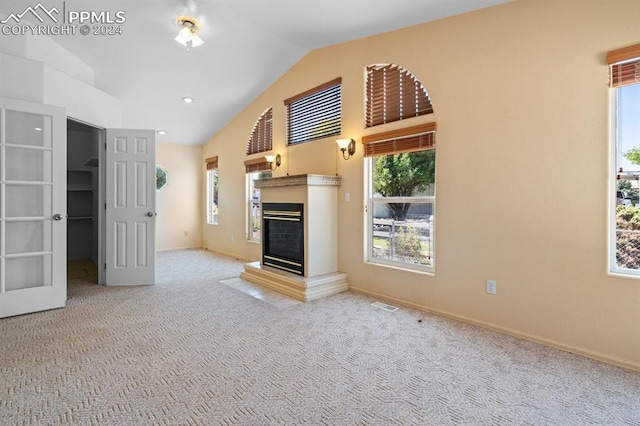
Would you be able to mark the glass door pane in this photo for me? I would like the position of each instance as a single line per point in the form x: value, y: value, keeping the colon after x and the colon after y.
x: 26, y: 183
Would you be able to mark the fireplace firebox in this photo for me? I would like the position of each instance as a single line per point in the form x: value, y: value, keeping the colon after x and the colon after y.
x: 283, y: 236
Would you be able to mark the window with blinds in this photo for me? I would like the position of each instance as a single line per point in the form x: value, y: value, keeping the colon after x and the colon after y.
x: 262, y: 134
x: 392, y: 94
x: 625, y: 66
x: 410, y: 139
x: 212, y: 190
x: 401, y: 197
x: 315, y: 114
x: 256, y: 165
x: 624, y: 175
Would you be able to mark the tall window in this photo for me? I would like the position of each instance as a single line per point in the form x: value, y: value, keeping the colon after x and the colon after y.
x: 261, y: 140
x: 212, y: 190
x: 392, y: 94
x: 315, y: 114
x: 401, y: 199
x: 253, y: 205
x: 625, y: 176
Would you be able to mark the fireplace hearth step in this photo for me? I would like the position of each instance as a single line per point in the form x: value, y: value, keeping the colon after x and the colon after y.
x: 296, y: 286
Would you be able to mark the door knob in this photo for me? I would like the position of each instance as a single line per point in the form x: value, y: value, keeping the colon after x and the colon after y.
x: 152, y: 214
x: 57, y: 216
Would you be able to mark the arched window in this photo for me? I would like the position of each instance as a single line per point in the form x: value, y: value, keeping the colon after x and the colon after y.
x: 393, y: 93
x: 262, y: 134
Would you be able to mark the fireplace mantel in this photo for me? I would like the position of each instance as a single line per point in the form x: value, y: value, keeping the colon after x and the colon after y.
x: 298, y: 180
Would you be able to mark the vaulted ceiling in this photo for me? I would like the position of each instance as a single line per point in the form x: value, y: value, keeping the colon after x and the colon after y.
x: 248, y: 45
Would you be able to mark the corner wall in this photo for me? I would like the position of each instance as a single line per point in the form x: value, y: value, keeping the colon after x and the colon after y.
x: 521, y: 98
x: 179, y: 207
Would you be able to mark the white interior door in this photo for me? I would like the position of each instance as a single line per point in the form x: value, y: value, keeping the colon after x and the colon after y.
x: 130, y: 252
x: 33, y: 201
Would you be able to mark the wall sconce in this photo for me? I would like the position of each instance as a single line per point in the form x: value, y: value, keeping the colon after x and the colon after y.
x: 348, y: 146
x: 271, y: 159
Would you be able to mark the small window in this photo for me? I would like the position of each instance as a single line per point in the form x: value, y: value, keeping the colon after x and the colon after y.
x: 253, y: 206
x: 162, y: 177
x: 212, y: 190
x: 401, y: 199
x: 315, y: 114
x: 392, y: 94
x: 624, y: 250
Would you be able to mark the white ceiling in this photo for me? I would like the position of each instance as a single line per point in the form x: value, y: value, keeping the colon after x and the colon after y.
x: 248, y: 45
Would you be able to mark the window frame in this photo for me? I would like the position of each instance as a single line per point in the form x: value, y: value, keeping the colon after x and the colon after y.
x: 387, y: 139
x: 613, y: 267
x: 251, y: 202
x: 623, y: 64
x: 213, y: 191
x: 294, y: 132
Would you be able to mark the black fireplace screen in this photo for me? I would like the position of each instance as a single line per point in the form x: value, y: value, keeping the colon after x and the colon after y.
x: 283, y: 236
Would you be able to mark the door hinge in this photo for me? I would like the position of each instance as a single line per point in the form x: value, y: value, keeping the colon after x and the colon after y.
x: 105, y: 206
x: 105, y: 146
x: 105, y: 266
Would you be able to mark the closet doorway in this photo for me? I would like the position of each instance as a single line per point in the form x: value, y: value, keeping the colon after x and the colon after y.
x: 83, y: 187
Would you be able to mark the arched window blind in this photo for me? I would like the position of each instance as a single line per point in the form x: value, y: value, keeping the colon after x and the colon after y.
x: 262, y: 134
x: 315, y: 114
x: 625, y: 66
x: 410, y: 139
x: 392, y: 94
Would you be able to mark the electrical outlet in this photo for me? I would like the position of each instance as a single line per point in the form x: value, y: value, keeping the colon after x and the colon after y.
x: 232, y: 239
x: 347, y: 197
x: 491, y: 287
x: 186, y: 233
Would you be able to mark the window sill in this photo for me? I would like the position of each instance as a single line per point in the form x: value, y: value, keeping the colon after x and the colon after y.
x: 430, y: 273
x: 619, y: 273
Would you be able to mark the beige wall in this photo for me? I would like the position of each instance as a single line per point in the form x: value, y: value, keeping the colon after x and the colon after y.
x: 179, y: 207
x: 522, y: 105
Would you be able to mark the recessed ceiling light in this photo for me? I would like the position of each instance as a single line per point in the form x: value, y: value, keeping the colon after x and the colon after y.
x: 162, y: 132
x: 187, y: 100
x: 38, y: 129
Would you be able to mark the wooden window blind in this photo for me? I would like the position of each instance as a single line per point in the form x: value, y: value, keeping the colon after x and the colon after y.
x: 315, y: 114
x: 392, y: 94
x: 625, y: 65
x: 262, y: 134
x: 256, y: 165
x: 211, y: 162
x: 410, y: 139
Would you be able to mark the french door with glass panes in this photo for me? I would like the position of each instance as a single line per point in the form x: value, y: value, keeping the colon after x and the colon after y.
x: 33, y: 201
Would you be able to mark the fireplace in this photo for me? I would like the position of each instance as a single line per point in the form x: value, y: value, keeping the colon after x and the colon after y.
x: 299, y: 237
x: 283, y: 234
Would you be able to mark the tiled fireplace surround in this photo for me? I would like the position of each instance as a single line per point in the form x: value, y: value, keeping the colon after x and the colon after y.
x: 319, y: 195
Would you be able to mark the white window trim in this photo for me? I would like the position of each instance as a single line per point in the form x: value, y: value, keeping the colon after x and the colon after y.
x: 368, y: 226
x: 612, y: 268
x: 248, y: 208
x: 209, y: 196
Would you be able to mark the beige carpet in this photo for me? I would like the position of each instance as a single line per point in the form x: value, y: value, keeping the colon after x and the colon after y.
x: 194, y: 351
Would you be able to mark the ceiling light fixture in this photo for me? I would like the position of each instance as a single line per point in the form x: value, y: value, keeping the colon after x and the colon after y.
x: 188, y: 35
x: 188, y: 100
x: 162, y: 132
